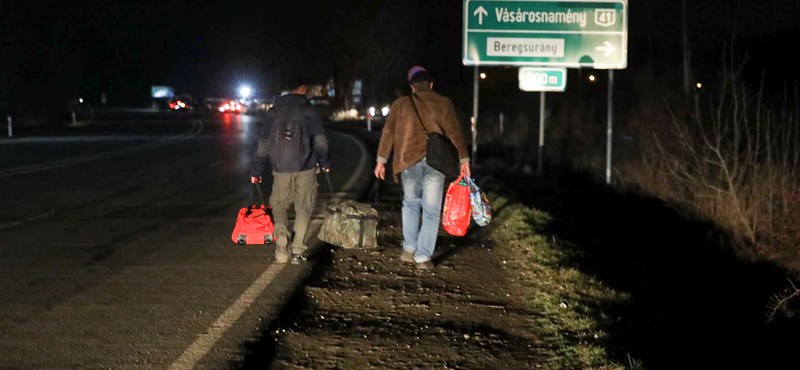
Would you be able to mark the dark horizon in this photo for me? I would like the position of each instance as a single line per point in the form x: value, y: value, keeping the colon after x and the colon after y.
x: 123, y: 47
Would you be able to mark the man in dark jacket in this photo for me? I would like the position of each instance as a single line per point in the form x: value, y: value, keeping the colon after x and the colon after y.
x: 293, y: 140
x: 423, y: 186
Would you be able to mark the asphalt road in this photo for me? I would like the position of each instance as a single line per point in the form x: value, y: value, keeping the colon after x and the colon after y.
x: 115, y: 247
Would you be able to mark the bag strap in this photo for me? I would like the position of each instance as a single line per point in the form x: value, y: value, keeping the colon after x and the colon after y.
x: 255, y: 189
x: 373, y: 189
x: 414, y: 104
x: 330, y: 184
x: 374, y: 192
x: 361, y: 233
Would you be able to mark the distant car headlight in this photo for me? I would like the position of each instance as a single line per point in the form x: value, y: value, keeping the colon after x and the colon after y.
x: 385, y: 110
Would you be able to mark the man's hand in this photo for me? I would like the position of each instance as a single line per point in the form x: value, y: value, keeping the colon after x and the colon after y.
x: 380, y: 171
x: 255, y: 179
x: 465, y: 169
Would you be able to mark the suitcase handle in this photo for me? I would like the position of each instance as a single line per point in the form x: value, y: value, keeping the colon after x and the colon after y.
x: 330, y: 184
x: 255, y: 189
x: 251, y: 205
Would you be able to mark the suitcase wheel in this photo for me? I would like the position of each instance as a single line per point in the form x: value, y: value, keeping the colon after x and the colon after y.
x: 242, y: 239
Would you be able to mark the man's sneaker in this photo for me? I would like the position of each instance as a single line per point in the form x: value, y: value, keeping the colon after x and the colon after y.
x: 298, y: 259
x: 427, y: 265
x: 299, y: 248
x: 407, y: 257
x: 282, y: 249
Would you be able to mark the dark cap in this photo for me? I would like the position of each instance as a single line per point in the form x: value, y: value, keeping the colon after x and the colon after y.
x: 295, y: 79
x: 419, y: 74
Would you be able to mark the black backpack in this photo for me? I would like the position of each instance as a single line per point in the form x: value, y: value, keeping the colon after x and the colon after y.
x: 289, y: 144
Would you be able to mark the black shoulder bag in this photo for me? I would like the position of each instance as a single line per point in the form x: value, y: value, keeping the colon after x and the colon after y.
x: 442, y: 155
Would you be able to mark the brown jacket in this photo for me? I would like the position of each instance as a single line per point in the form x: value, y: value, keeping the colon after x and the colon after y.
x: 403, y: 134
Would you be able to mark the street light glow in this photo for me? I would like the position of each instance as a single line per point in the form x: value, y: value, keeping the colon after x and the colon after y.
x: 245, y: 91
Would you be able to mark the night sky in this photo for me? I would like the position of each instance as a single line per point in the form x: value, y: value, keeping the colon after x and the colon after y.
x: 53, y: 53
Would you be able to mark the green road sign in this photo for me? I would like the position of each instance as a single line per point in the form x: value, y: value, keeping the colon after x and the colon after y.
x: 542, y: 78
x: 570, y: 34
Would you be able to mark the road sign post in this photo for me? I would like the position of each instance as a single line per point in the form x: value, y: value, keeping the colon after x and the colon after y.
x: 547, y: 33
x: 542, y: 79
x: 474, y: 121
x: 572, y: 34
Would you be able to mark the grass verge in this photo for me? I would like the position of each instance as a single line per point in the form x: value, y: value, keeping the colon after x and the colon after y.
x: 574, y: 305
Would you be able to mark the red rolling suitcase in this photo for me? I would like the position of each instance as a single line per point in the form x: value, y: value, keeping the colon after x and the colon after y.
x: 254, y: 222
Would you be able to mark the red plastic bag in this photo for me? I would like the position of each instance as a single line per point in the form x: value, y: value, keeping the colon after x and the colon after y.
x: 457, y: 209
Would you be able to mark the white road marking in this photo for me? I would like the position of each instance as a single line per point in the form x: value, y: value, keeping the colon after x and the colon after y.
x: 192, y: 355
x: 360, y: 167
x: 196, y: 128
x: 29, y: 219
x: 206, y: 341
x: 203, y: 344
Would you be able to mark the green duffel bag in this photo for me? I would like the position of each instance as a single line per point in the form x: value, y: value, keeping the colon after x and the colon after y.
x: 350, y: 224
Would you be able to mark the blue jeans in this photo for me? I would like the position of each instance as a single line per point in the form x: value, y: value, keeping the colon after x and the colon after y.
x: 423, y: 189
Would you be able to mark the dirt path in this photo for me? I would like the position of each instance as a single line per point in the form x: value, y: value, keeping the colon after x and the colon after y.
x: 367, y: 309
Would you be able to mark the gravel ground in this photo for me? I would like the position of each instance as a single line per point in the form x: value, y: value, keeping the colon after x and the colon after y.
x: 367, y: 309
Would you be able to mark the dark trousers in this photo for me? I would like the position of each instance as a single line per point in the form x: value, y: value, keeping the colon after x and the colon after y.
x: 300, y: 189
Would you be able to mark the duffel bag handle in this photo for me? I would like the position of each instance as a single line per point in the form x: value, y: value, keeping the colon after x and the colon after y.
x: 251, y: 205
x: 255, y: 189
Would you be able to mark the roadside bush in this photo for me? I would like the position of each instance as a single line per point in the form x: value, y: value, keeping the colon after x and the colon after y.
x: 728, y: 154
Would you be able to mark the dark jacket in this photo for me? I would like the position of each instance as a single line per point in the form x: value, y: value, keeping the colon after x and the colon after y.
x: 404, y: 135
x: 308, y: 149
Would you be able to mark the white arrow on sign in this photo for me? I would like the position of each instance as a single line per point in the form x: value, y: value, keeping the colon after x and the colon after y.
x: 480, y: 12
x: 607, y: 48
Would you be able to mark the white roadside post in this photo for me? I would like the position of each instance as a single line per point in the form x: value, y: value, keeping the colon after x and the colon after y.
x: 10, y: 130
x: 502, y: 140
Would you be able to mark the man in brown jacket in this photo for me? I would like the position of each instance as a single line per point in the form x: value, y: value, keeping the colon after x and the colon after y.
x: 423, y: 187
